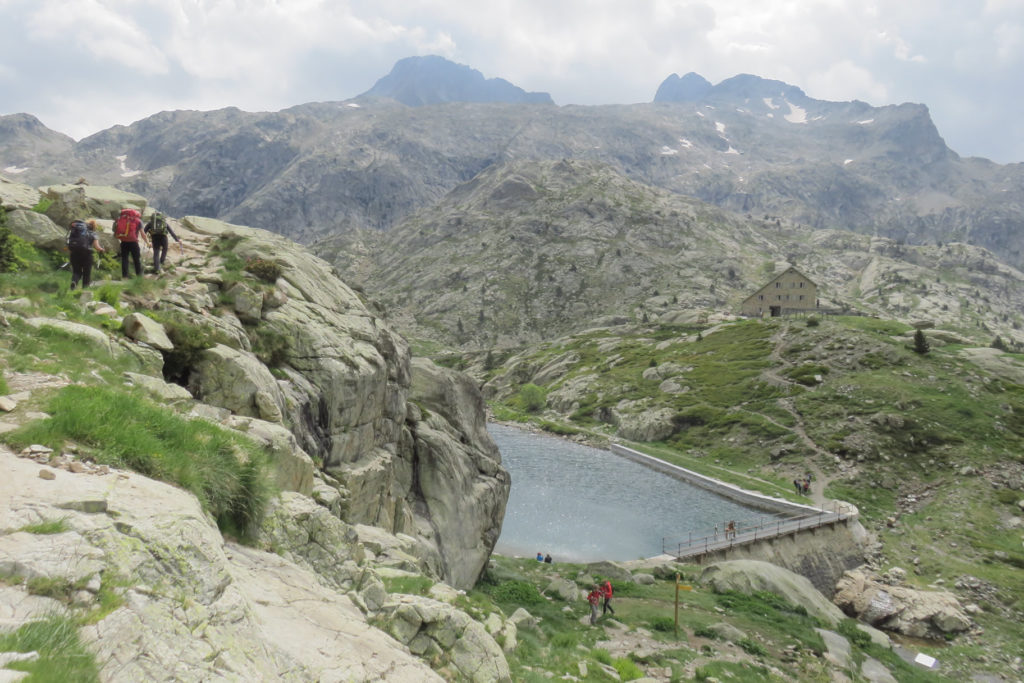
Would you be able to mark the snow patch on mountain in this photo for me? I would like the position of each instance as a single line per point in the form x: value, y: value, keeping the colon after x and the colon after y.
x: 15, y: 170
x: 796, y: 114
x: 125, y: 171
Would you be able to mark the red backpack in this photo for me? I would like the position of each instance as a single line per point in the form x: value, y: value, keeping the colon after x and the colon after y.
x: 126, y: 228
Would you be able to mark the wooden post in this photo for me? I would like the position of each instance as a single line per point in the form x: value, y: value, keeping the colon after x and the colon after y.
x: 676, y: 629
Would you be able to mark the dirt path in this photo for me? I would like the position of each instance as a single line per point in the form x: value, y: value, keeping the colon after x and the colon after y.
x: 771, y: 375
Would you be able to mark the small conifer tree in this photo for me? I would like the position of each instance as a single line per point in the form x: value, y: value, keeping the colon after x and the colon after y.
x: 921, y: 345
x: 8, y: 262
x: 998, y: 343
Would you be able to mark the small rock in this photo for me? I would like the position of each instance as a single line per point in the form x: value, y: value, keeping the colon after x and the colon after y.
x: 76, y: 467
x: 48, y: 475
x: 7, y: 404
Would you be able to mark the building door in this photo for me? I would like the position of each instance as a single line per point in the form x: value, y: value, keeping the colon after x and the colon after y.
x: 776, y: 311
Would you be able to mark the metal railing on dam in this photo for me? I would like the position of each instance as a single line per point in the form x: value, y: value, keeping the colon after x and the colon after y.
x: 745, y: 533
x: 783, y: 518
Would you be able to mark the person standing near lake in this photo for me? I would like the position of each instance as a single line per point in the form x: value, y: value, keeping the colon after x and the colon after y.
x: 606, y: 591
x: 594, y: 598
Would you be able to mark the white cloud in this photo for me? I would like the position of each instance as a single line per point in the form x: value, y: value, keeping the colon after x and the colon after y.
x: 94, y: 27
x: 961, y: 59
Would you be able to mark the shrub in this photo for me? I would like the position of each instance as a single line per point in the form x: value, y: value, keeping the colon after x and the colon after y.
x: 531, y: 397
x: 752, y: 647
x: 269, y: 345
x: 921, y: 345
x: 627, y: 668
x: 264, y: 269
x: 42, y: 205
x: 516, y: 592
x: 11, y: 247
x: 109, y: 294
x: 190, y: 340
x: 602, y: 655
x: 663, y: 624
x: 813, y: 322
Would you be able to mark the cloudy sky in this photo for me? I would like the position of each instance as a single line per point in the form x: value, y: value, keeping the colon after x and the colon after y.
x: 84, y: 65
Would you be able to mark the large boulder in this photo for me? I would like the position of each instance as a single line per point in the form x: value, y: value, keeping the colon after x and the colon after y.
x: 448, y: 635
x: 458, y: 470
x: 88, y: 201
x: 37, y: 229
x: 146, y: 330
x: 644, y: 425
x: 898, y: 608
x: 298, y: 529
x: 192, y: 606
x: 17, y: 196
x: 749, y: 576
x: 237, y: 380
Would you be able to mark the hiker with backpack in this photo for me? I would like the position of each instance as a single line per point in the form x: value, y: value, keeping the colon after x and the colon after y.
x: 81, y: 243
x: 158, y: 229
x: 128, y: 229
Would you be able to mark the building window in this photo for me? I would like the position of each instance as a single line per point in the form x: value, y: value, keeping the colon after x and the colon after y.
x: 801, y: 285
x: 777, y: 285
x: 760, y: 297
x: 801, y: 297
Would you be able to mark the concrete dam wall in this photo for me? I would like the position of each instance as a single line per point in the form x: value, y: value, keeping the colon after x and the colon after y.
x: 821, y: 550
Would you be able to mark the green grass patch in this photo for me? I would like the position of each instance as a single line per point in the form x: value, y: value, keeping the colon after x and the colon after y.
x: 407, y: 585
x: 50, y: 526
x: 225, y: 470
x: 62, y: 656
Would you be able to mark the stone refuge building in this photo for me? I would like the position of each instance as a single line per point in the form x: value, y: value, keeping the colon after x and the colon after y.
x: 789, y: 292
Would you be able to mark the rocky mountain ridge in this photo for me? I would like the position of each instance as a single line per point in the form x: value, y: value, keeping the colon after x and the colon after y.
x: 419, y: 81
x: 749, y: 145
x: 529, y: 251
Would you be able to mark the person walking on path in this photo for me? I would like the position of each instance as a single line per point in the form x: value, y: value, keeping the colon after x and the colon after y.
x: 730, y: 530
x: 128, y: 229
x: 594, y: 598
x: 158, y: 229
x: 81, y: 243
x: 606, y: 592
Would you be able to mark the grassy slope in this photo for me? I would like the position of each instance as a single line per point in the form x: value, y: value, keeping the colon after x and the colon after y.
x: 888, y: 429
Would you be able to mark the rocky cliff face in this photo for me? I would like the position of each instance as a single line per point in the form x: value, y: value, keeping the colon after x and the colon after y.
x: 340, y: 389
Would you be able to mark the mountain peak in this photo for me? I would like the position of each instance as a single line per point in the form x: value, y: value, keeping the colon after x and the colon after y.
x: 430, y: 79
x: 690, y: 88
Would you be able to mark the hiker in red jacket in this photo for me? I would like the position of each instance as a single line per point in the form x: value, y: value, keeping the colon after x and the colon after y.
x: 128, y: 230
x: 606, y: 591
